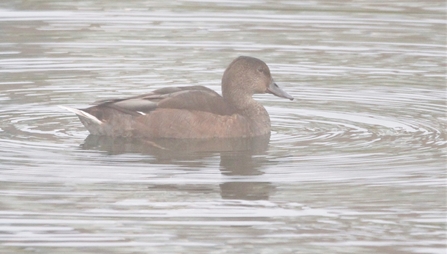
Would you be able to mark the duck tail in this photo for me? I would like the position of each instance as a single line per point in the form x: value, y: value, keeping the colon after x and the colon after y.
x: 83, y: 115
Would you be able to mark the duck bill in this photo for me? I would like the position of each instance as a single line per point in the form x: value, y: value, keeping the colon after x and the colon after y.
x: 275, y: 90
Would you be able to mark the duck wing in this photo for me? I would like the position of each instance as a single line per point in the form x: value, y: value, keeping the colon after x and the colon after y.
x: 195, y: 98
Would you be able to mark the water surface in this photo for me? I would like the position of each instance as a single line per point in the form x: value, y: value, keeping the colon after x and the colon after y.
x: 357, y: 164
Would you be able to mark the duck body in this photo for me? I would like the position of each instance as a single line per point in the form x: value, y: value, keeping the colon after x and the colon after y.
x: 191, y: 111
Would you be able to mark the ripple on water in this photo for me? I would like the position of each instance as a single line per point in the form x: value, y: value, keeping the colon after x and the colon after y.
x: 355, y: 165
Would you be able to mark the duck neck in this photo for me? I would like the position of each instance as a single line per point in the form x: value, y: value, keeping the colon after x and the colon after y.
x: 234, y: 95
x: 252, y: 110
x: 244, y: 105
x: 239, y: 101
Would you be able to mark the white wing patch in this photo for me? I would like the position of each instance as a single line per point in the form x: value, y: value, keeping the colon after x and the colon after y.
x: 82, y: 114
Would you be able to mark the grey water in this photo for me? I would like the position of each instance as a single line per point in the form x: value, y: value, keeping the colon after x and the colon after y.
x: 356, y: 164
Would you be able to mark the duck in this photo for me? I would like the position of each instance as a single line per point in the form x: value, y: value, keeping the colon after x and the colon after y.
x: 190, y: 112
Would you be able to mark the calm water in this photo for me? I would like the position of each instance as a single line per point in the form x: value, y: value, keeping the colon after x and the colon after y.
x: 357, y: 164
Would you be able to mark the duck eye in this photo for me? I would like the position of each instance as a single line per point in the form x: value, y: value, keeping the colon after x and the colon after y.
x: 261, y: 70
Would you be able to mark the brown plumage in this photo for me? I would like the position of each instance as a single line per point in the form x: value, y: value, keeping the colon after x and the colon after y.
x: 190, y: 112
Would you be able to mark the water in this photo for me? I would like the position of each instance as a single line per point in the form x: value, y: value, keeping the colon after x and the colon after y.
x: 357, y: 164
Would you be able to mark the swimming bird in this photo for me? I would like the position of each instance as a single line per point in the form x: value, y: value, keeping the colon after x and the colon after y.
x: 190, y: 111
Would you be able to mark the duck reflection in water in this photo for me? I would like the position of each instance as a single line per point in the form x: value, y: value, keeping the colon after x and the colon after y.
x: 237, y: 158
